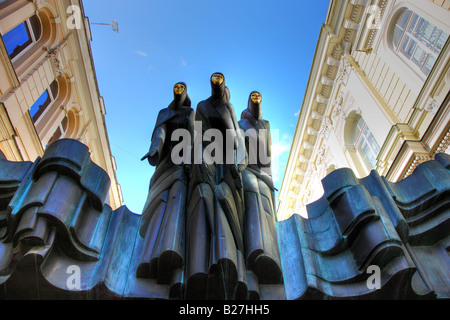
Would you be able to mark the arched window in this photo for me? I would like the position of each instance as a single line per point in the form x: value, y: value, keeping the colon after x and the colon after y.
x: 60, y: 132
x: 365, y: 144
x: 42, y: 104
x: 67, y: 128
x: 417, y: 40
x: 22, y: 37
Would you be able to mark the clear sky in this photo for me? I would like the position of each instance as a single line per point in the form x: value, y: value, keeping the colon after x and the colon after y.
x: 264, y: 45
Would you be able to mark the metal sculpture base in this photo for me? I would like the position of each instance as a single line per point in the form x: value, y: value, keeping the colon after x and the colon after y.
x: 59, y: 240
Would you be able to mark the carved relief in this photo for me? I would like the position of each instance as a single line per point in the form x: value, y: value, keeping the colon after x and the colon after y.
x: 431, y: 106
x: 326, y: 128
x: 55, y: 56
x: 338, y: 110
x: 345, y: 70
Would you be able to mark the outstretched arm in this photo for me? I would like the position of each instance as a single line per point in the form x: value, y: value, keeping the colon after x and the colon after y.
x: 158, y: 139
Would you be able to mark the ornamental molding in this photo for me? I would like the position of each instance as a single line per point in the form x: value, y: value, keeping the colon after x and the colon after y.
x: 431, y: 106
x: 338, y: 108
x: 444, y: 144
x: 345, y: 70
x: 326, y: 128
x: 335, y: 70
x: 374, y: 31
x: 54, y: 55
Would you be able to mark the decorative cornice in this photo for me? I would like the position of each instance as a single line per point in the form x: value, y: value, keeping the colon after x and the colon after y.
x: 331, y: 72
x: 444, y: 144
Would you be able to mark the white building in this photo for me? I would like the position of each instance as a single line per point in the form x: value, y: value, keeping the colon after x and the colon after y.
x: 377, y: 96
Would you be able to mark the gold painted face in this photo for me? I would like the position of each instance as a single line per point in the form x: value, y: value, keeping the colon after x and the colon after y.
x: 256, y: 97
x: 179, y: 88
x: 217, y: 79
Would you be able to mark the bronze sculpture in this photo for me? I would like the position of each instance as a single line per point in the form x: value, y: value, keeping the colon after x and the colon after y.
x: 260, y: 238
x: 364, y: 239
x: 327, y: 256
x: 216, y: 267
x: 163, y: 218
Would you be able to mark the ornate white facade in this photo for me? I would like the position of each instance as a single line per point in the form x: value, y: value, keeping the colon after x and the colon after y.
x: 377, y: 97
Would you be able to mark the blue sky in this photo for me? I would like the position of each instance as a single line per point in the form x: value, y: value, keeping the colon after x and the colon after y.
x: 263, y: 45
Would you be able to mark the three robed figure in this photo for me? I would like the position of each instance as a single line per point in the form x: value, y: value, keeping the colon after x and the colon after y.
x: 208, y: 225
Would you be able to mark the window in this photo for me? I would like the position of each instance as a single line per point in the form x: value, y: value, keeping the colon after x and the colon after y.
x: 60, y: 131
x: 45, y: 100
x: 418, y: 40
x: 22, y: 36
x: 365, y: 144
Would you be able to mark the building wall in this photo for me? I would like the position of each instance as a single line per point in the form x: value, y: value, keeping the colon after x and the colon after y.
x: 59, y: 53
x: 358, y: 74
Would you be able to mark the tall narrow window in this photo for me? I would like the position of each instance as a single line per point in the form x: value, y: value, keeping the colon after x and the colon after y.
x: 418, y: 40
x: 365, y: 144
x: 22, y: 37
x: 45, y: 100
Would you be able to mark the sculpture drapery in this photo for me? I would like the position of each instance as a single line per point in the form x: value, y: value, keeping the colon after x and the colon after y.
x: 59, y: 239
x: 163, y: 218
x: 215, y: 211
x: 262, y: 253
x: 216, y: 225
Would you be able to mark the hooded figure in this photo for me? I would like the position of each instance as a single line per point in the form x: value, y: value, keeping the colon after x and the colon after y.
x: 180, y: 97
x: 254, y: 111
x: 215, y: 263
x: 261, y: 246
x: 163, y: 218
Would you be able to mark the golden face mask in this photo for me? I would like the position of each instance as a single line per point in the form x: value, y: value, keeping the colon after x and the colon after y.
x: 217, y: 79
x: 256, y: 97
x: 179, y: 88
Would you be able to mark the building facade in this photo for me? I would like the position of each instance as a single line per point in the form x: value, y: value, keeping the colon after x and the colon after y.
x: 48, y: 85
x: 377, y: 96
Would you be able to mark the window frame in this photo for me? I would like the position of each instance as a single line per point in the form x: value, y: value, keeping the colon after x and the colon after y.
x: 382, y: 44
x: 409, y: 38
x: 34, y: 36
x: 62, y: 131
x: 365, y: 136
x: 52, y: 96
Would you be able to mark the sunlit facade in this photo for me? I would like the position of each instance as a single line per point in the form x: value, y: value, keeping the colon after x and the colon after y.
x: 48, y: 86
x: 377, y: 97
